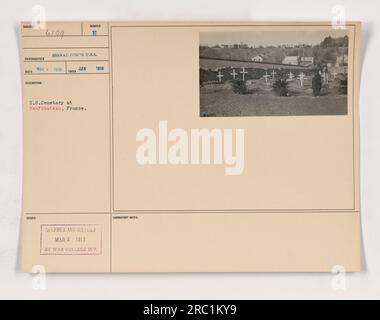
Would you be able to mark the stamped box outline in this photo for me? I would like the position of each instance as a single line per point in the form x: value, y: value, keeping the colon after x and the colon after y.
x: 72, y: 254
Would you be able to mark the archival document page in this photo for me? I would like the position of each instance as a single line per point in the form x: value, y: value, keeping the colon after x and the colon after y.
x: 191, y: 147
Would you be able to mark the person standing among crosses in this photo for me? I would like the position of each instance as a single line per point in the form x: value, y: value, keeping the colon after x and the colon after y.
x: 317, y: 84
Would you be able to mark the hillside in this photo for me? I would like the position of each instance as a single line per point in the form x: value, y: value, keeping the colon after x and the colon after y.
x: 326, y: 52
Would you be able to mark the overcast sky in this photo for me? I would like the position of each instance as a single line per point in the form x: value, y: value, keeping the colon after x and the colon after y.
x: 265, y: 38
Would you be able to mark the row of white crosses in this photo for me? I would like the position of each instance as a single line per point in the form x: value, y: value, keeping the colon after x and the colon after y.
x: 301, y: 77
x: 233, y: 74
x: 272, y: 74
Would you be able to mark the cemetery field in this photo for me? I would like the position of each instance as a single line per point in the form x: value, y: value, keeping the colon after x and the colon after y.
x: 219, y: 100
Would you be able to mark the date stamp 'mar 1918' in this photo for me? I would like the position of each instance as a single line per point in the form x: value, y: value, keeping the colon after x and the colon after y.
x: 71, y: 239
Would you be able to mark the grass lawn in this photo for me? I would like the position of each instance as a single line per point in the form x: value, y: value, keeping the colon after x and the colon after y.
x: 220, y: 101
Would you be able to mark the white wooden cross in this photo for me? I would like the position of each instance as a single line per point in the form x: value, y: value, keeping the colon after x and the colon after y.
x: 233, y: 74
x: 291, y: 76
x: 266, y: 77
x: 243, y: 72
x: 301, y: 78
x: 273, y: 73
x: 220, y: 76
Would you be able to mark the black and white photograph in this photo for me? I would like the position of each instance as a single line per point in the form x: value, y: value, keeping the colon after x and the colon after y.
x: 273, y: 73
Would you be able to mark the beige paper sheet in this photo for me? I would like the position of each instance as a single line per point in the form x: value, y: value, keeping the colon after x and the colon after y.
x: 89, y: 206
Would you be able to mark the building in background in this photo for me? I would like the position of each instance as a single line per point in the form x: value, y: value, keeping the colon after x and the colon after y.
x: 258, y: 58
x: 307, y: 61
x: 292, y: 60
